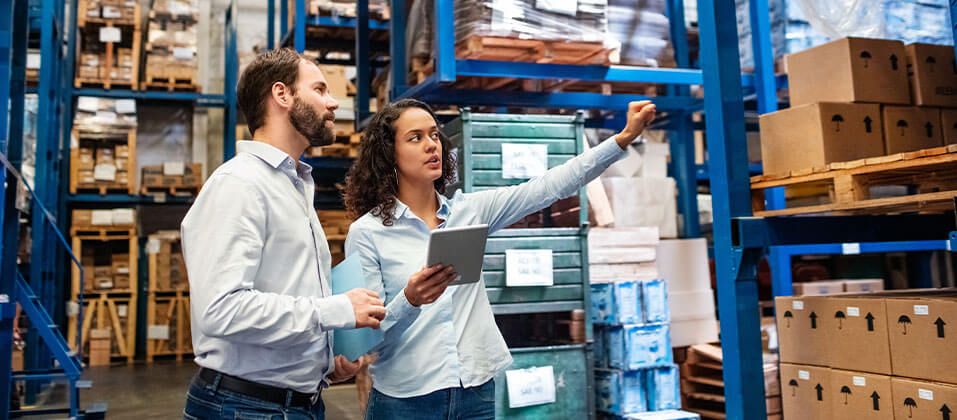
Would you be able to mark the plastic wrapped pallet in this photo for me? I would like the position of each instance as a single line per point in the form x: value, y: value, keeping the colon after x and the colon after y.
x: 643, y: 29
x: 172, y: 39
x: 644, y: 202
x: 925, y: 21
x: 104, y: 114
x: 585, y: 20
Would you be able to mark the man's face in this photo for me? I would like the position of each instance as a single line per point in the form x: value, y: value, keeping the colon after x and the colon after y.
x: 313, y: 108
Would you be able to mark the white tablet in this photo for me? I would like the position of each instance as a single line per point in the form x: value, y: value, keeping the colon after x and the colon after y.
x: 461, y: 247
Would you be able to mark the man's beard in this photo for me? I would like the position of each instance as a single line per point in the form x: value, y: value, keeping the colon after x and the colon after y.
x: 307, y: 122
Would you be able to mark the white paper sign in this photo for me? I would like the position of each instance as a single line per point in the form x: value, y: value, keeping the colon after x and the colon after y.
x: 88, y: 104
x: 851, y: 249
x: 72, y: 308
x: 925, y: 394
x: 804, y: 375
x: 174, y: 168
x: 123, y: 216
x: 158, y: 332
x: 797, y: 305
x: 122, y: 310
x: 860, y: 381
x: 524, y: 161
x: 528, y: 267
x: 921, y: 310
x: 104, y: 172
x: 126, y: 106
x: 531, y: 386
x: 853, y: 311
x: 33, y: 61
x: 153, y: 246
x: 110, y: 34
x: 183, y: 53
x: 102, y: 217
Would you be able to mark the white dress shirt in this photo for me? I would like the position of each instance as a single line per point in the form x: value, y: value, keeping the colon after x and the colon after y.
x: 454, y: 341
x: 259, y: 270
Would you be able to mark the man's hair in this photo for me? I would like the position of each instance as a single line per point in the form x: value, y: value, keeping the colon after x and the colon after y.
x: 255, y: 84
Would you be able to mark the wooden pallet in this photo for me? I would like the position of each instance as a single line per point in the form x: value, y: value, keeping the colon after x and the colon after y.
x: 929, y: 175
x: 104, y: 84
x: 106, y: 312
x: 130, y: 29
x: 170, y: 84
x: 104, y: 233
x: 173, y: 190
x: 101, y: 188
x: 83, y: 20
x: 335, y: 150
x: 176, y: 314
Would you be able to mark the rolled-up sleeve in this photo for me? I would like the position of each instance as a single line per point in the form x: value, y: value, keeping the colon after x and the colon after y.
x: 223, y: 238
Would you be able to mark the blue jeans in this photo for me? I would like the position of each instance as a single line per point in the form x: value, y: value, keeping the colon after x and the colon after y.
x: 204, y: 401
x: 476, y: 403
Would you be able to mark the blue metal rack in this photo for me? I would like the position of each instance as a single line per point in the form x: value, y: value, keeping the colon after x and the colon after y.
x: 38, y: 293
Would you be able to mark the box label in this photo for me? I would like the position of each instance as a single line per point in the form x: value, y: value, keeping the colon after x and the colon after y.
x: 125, y: 106
x: 853, y: 311
x: 528, y: 267
x: 121, y: 310
x: 183, y: 53
x: 851, y: 249
x: 88, y: 104
x: 174, y: 168
x: 925, y: 394
x: 524, y: 161
x: 158, y: 332
x: 860, y: 381
x: 804, y: 375
x: 921, y: 310
x: 110, y: 34
x: 104, y: 172
x: 797, y: 305
x: 33, y: 61
x: 531, y: 386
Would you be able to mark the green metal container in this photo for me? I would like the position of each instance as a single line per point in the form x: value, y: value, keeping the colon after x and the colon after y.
x: 574, y: 398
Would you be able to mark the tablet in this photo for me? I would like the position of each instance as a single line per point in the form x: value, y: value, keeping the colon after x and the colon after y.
x: 461, y: 247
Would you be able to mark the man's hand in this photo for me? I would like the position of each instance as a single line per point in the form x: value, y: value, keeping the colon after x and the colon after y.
x: 428, y: 284
x: 640, y: 115
x: 345, y: 370
x: 367, y: 306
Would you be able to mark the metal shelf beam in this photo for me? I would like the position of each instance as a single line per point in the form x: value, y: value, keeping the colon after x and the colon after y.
x: 197, y: 99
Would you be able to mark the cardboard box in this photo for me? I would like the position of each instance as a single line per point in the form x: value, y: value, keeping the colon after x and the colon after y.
x: 933, y: 79
x: 863, y: 285
x: 948, y: 124
x: 803, y: 329
x: 818, y: 288
x: 857, y: 395
x: 815, y: 135
x: 100, y: 347
x: 909, y: 128
x: 856, y: 335
x: 121, y: 282
x: 849, y: 70
x: 923, y: 400
x: 923, y: 338
x: 806, y: 392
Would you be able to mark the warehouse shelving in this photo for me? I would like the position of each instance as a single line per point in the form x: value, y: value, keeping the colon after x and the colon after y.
x: 57, y: 41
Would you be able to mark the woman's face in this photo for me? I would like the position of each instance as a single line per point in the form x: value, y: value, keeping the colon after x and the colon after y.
x: 418, y: 148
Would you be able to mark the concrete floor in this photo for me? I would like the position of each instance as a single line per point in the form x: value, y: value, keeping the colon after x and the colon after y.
x: 158, y: 391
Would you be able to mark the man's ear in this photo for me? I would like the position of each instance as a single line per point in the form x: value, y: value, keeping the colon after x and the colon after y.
x: 282, y: 94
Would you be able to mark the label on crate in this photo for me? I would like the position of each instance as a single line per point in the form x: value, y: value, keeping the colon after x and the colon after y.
x: 101, y: 218
x: 88, y: 104
x: 797, y: 305
x: 859, y: 381
x: 564, y: 7
x: 531, y: 386
x: 183, y: 53
x: 110, y: 34
x: 125, y: 106
x: 33, y: 61
x: 524, y: 161
x: 925, y: 394
x: 174, y: 169
x: 853, y: 311
x: 104, y: 172
x: 108, y: 117
x: 72, y: 308
x: 111, y: 12
x: 123, y: 216
x: 153, y: 246
x: 851, y: 249
x: 804, y: 375
x: 122, y: 310
x: 921, y: 310
x: 158, y: 332
x: 528, y: 267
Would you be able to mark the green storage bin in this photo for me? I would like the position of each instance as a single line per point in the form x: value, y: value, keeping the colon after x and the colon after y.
x: 574, y: 395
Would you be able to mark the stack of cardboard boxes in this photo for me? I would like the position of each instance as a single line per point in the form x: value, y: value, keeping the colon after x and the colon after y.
x: 170, y: 176
x: 104, y: 130
x: 109, y: 42
x: 100, y: 347
x: 170, y: 270
x: 883, y: 355
x: 857, y: 98
x: 629, y: 308
x: 171, y: 48
x: 106, y: 269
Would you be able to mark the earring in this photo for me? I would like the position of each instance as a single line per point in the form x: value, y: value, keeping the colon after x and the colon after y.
x: 394, y: 171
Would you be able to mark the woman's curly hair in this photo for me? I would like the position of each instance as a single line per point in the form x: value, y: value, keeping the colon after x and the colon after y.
x: 371, y: 184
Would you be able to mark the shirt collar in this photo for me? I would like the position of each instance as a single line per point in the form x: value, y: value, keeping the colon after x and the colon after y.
x: 401, y: 210
x: 274, y: 157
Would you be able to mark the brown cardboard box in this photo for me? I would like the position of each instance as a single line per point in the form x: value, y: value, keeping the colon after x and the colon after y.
x: 122, y: 151
x: 806, y: 393
x: 802, y: 329
x: 948, y: 123
x: 922, y: 337
x: 85, y: 176
x: 819, y: 288
x: 849, y: 70
x: 920, y: 400
x: 103, y: 271
x: 103, y: 283
x: 857, y: 334
x: 121, y: 282
x: 933, y: 80
x: 910, y: 128
x: 857, y: 395
x: 100, y: 347
x: 817, y: 134
x: 863, y: 285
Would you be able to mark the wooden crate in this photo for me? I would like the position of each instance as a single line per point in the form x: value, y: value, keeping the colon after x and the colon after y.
x: 168, y: 326
x: 89, y: 28
x: 574, y: 397
x: 930, y: 176
x: 155, y: 180
x: 78, y: 163
x: 116, y: 314
x: 166, y: 266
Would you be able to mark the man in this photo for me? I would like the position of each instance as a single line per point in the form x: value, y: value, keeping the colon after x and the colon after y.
x: 258, y: 261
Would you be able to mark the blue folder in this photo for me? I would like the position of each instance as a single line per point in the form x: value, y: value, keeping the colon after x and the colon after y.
x: 352, y: 343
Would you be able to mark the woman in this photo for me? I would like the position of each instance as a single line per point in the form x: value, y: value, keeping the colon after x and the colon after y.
x: 441, y: 350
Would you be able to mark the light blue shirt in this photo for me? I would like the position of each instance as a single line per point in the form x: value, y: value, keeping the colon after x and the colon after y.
x: 259, y: 270
x: 454, y: 341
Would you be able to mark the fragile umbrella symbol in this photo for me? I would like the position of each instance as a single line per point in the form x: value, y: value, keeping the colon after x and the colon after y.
x: 840, y: 319
x: 866, y: 56
x: 904, y: 320
x: 793, y: 384
x: 846, y: 391
x: 787, y: 318
x: 901, y: 124
x: 837, y: 119
x: 911, y: 405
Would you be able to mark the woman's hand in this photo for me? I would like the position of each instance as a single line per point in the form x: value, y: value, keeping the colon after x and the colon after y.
x: 640, y: 115
x: 428, y: 284
x: 344, y: 370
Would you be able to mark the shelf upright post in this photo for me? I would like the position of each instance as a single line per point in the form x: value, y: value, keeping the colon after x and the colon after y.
x: 299, y: 37
x: 397, y: 52
x: 271, y: 24
x: 681, y: 140
x: 363, y: 70
x: 444, y: 41
x: 730, y: 185
x: 231, y: 78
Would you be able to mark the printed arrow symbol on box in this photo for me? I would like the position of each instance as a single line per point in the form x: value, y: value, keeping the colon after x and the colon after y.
x: 894, y: 61
x: 930, y: 129
x: 820, y: 392
x: 787, y: 318
x: 813, y: 317
x: 945, y: 412
x: 876, y: 398
x: 867, y: 123
x: 794, y: 385
x: 940, y: 327
x: 870, y: 321
x: 840, y: 319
